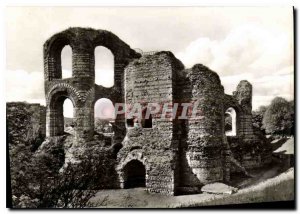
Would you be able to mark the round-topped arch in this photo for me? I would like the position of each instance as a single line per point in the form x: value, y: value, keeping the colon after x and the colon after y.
x: 232, y: 116
x: 133, y: 170
x: 122, y: 54
x: 81, y: 87
x: 63, y: 89
x: 52, y: 54
x: 55, y: 116
x: 112, y: 42
x: 83, y: 42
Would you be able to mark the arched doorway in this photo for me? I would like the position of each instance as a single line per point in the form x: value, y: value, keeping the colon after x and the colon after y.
x: 230, y: 122
x: 135, y: 174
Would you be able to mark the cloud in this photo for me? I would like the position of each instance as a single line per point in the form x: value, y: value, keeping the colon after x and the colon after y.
x: 247, y: 48
x: 263, y: 57
x: 25, y: 86
x: 231, y: 81
x: 239, y: 43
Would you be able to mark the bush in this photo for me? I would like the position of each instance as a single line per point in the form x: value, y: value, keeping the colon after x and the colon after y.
x: 42, y: 184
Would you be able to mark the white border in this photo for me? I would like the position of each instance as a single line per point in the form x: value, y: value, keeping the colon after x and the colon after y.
x: 111, y: 3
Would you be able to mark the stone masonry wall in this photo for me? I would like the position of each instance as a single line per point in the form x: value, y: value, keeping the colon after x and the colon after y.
x: 81, y: 88
x: 250, y: 148
x: 147, y: 80
x: 177, y: 154
x: 201, y: 148
x: 243, y: 95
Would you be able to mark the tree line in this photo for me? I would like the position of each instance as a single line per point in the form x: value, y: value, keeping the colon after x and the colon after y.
x: 278, y: 118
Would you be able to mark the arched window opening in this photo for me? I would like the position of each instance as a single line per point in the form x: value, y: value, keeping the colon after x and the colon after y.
x: 66, y: 62
x: 146, y: 119
x: 104, y: 114
x: 135, y: 174
x: 129, y: 123
x: 230, y: 122
x: 104, y: 67
x: 147, y: 122
x: 68, y: 113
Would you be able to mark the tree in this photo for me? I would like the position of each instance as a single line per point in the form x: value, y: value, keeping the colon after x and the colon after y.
x: 257, y: 117
x: 278, y: 117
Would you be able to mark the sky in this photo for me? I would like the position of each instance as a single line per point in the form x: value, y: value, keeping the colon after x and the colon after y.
x: 252, y: 43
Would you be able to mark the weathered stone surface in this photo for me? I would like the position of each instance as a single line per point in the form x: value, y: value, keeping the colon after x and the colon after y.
x: 81, y: 88
x: 150, y: 79
x: 172, y: 154
x: 218, y: 188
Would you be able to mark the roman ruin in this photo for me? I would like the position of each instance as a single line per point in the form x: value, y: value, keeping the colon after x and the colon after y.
x: 166, y: 155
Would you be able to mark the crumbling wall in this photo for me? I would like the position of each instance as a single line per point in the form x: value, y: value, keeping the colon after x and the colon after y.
x: 249, y: 147
x: 243, y: 95
x: 150, y: 79
x: 81, y: 88
x: 201, y: 148
x: 178, y: 154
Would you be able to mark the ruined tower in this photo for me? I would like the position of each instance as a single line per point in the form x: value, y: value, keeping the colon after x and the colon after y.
x: 150, y: 79
x: 201, y: 150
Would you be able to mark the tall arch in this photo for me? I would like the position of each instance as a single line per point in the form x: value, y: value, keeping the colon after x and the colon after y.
x: 232, y: 116
x: 104, y: 67
x: 68, y: 113
x: 66, y: 90
x: 104, y: 115
x: 233, y: 109
x: 52, y: 55
x: 66, y: 62
x: 55, y: 113
x: 122, y: 53
x: 81, y: 87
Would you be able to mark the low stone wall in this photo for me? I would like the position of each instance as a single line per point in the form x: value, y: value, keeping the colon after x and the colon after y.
x: 251, y: 154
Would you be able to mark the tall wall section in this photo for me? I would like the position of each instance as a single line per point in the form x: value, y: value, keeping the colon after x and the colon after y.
x: 150, y: 79
x: 202, y: 134
x: 243, y: 95
x: 250, y: 148
x: 81, y: 88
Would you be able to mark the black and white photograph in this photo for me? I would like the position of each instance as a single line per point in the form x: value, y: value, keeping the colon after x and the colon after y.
x: 149, y: 107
